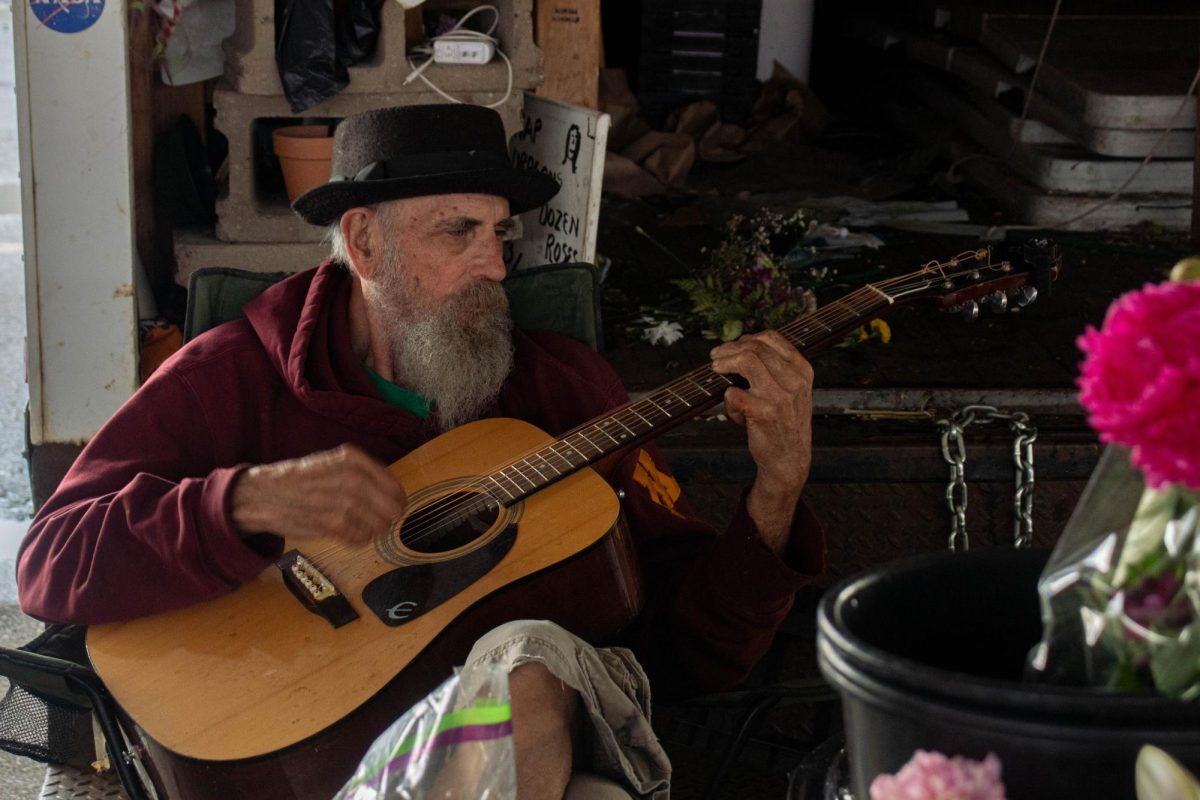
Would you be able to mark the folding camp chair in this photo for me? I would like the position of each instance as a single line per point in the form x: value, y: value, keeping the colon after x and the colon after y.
x: 563, y: 298
x: 48, y: 712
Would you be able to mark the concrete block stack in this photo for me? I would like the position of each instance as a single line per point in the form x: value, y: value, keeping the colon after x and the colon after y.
x: 255, y: 227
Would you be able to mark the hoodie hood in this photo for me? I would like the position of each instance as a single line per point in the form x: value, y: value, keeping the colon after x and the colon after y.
x: 303, y: 323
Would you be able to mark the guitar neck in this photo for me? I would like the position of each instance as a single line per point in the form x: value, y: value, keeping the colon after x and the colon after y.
x: 960, y: 279
x: 662, y: 409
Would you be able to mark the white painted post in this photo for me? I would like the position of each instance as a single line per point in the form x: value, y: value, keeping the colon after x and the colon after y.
x: 73, y: 118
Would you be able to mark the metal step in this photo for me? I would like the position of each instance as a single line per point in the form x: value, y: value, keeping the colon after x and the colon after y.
x: 73, y: 783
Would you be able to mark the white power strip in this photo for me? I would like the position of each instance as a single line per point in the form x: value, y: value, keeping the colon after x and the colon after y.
x: 454, y: 50
x: 463, y: 46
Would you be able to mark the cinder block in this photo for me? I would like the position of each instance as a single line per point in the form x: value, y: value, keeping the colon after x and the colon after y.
x: 246, y: 211
x: 196, y: 249
x: 250, y: 65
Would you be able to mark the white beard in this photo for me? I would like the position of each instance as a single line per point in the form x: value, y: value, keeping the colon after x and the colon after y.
x: 456, y: 354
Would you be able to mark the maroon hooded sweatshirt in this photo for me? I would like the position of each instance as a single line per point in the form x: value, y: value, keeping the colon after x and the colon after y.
x: 141, y: 523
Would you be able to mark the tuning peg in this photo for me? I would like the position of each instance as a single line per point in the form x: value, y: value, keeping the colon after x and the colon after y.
x: 1025, y: 295
x: 969, y: 310
x: 997, y: 302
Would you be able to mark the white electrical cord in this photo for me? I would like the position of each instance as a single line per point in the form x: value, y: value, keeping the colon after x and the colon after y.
x: 458, y: 32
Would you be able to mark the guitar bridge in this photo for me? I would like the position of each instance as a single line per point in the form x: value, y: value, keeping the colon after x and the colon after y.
x: 314, y: 590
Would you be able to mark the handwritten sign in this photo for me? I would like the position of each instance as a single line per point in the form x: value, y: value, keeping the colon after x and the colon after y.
x: 567, y: 143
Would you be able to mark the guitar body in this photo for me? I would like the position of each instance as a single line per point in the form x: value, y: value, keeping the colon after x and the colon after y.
x: 256, y: 694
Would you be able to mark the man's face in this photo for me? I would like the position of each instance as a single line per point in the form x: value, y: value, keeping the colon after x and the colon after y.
x: 447, y: 242
x: 443, y: 310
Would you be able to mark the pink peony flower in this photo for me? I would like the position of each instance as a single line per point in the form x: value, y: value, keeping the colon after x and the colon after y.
x: 1140, y: 380
x: 933, y: 776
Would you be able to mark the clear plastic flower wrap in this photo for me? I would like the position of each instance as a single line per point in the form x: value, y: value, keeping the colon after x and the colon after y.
x: 455, y: 743
x: 1121, y: 593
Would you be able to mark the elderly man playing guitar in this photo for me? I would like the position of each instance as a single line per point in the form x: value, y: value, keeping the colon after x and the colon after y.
x: 275, y: 432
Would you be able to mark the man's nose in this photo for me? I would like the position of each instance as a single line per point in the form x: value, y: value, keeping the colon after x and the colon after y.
x: 491, y: 262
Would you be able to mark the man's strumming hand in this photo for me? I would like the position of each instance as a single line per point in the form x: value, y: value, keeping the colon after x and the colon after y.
x: 341, y: 493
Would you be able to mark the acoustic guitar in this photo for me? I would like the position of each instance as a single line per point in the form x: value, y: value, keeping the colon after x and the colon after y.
x: 277, y: 689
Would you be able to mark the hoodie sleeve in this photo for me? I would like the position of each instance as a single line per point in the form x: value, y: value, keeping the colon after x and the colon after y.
x: 713, y: 601
x: 140, y: 524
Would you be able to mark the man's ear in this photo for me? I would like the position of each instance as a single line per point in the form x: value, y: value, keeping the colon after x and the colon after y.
x: 360, y: 232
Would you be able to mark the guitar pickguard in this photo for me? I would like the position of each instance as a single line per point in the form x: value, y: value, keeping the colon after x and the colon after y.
x: 405, y: 593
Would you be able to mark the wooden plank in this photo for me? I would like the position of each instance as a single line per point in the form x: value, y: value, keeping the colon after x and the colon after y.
x: 568, y: 31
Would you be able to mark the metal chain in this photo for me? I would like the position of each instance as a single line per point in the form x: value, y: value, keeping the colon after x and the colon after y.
x: 954, y: 451
x: 1024, y: 435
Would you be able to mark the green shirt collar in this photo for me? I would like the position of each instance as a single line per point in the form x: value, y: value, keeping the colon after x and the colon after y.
x: 399, y: 396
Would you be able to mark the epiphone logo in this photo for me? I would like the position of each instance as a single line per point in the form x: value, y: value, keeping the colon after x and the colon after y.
x: 402, y: 610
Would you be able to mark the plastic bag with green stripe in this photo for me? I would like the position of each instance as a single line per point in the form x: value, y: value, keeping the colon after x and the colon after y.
x: 457, y: 742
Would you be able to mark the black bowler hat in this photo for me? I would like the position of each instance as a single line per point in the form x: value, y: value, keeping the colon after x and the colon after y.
x: 413, y: 151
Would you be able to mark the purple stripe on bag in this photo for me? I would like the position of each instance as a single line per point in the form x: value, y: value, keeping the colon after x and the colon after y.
x: 467, y: 733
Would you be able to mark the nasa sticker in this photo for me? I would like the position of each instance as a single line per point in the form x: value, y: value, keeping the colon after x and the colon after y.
x: 67, y: 16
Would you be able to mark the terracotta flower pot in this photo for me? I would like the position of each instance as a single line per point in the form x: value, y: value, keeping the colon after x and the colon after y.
x: 304, y: 153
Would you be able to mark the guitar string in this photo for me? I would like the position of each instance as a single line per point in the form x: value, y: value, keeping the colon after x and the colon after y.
x: 458, y: 503
x: 684, y: 387
x: 649, y: 404
x: 635, y: 414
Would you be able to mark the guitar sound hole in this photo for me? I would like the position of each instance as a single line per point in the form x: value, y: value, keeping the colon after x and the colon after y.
x: 449, y: 522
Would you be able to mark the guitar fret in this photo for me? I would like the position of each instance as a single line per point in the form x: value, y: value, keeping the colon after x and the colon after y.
x: 534, y: 468
x: 703, y: 389
x: 548, y: 464
x: 616, y: 431
x: 528, y: 470
x: 581, y: 455
x: 560, y: 457
x: 584, y: 435
x: 600, y: 427
x: 623, y: 425
x: 639, y: 416
x: 660, y: 408
x: 522, y: 476
x: 567, y: 458
x: 549, y: 461
x: 504, y: 473
x: 500, y: 487
x: 680, y: 399
x: 714, y: 377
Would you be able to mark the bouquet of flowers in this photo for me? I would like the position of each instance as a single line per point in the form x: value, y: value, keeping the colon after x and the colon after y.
x: 751, y: 281
x: 744, y: 289
x: 1121, y: 594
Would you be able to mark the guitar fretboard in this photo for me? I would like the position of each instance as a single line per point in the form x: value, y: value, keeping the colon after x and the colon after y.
x: 965, y: 276
x: 679, y: 400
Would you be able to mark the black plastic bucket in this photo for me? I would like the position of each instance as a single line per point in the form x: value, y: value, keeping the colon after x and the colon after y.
x: 928, y: 653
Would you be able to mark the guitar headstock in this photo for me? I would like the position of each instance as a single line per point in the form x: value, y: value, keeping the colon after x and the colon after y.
x: 972, y: 277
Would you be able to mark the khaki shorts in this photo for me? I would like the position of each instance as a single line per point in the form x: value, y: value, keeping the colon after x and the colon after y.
x: 619, y: 742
